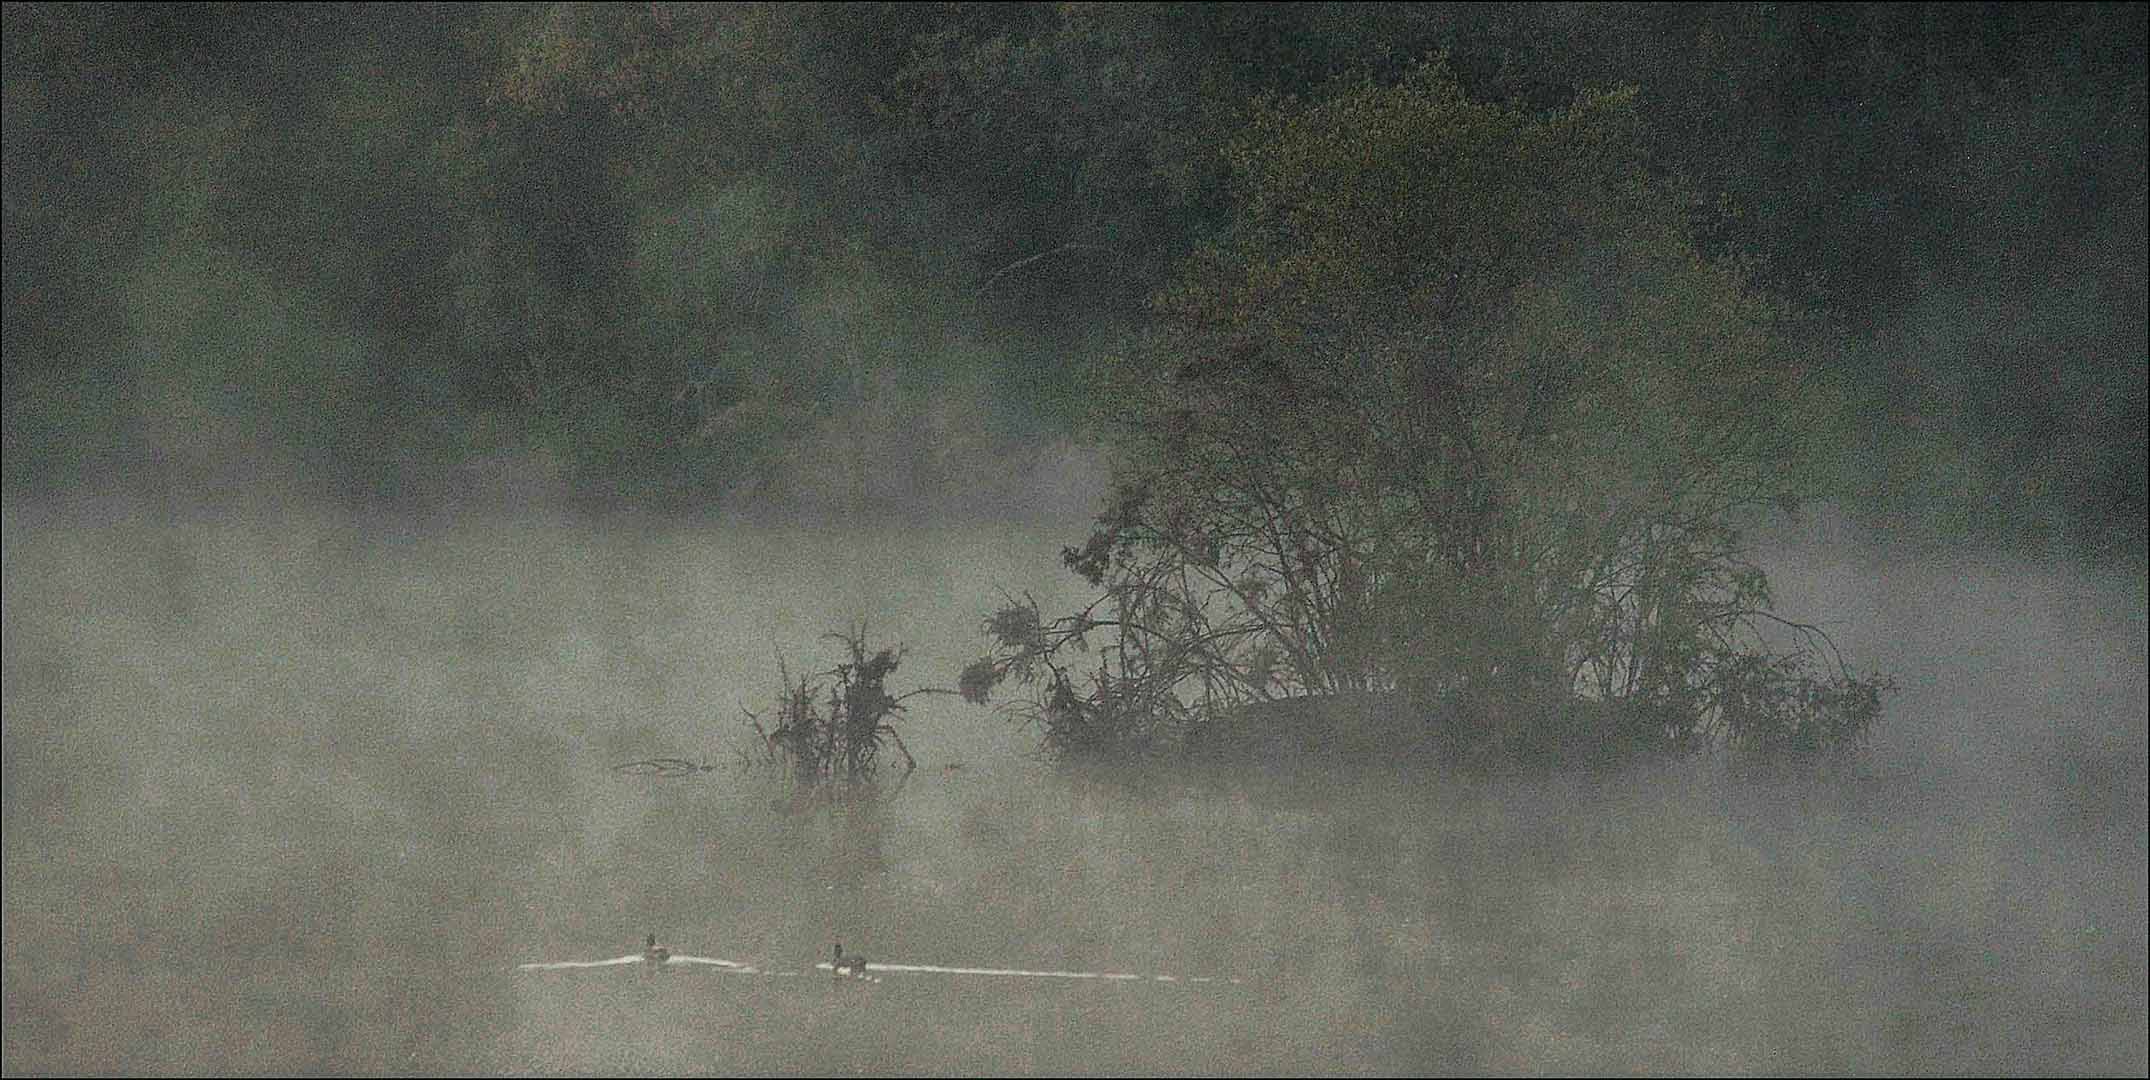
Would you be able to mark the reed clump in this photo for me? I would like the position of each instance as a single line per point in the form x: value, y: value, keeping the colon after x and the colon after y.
x: 835, y: 726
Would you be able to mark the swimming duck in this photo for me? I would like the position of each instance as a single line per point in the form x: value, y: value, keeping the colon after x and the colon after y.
x: 848, y: 965
x: 653, y: 952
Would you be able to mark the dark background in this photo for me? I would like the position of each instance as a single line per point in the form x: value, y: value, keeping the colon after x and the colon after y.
x: 675, y: 256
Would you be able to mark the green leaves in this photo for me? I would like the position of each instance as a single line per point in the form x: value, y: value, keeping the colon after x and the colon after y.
x: 1455, y: 406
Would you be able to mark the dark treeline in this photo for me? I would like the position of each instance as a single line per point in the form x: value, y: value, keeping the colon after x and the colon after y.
x: 674, y: 255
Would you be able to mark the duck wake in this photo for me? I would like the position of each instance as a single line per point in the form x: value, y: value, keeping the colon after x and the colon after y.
x: 871, y: 972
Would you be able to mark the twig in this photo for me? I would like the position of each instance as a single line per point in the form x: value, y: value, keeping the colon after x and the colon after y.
x: 666, y: 766
x: 1028, y: 260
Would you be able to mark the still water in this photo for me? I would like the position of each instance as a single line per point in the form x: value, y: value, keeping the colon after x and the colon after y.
x: 286, y: 793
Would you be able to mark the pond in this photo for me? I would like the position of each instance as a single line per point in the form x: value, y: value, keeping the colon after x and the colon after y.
x: 289, y: 794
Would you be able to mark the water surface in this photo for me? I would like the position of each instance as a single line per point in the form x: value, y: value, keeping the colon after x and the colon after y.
x: 290, y: 793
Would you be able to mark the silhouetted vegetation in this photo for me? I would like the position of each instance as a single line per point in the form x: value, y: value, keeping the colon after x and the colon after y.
x: 1482, y: 450
x: 834, y: 726
x: 1458, y: 382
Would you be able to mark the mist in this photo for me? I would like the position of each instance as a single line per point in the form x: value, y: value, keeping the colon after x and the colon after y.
x: 413, y: 417
x: 293, y: 793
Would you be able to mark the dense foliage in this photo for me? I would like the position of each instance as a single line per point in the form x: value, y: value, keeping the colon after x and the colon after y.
x: 1453, y: 411
x: 673, y: 253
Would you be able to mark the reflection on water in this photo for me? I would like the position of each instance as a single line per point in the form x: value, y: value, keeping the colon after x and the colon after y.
x: 314, y: 817
x: 669, y: 963
x: 1020, y: 973
x: 675, y: 960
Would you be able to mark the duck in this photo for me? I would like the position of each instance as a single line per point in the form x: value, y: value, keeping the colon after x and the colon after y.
x: 653, y: 952
x: 848, y: 965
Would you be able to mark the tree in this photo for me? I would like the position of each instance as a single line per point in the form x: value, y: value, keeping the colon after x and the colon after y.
x: 1454, y: 413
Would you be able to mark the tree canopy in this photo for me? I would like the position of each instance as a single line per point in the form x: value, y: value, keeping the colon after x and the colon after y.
x: 673, y: 249
x: 1454, y: 410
